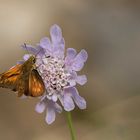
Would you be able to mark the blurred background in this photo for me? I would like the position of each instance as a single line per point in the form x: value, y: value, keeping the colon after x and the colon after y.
x: 110, y: 32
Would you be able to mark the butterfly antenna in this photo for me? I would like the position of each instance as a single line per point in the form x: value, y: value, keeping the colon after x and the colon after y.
x: 26, y: 47
x: 36, y: 53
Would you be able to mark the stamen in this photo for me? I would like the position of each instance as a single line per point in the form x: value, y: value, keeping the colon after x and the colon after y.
x: 54, y: 75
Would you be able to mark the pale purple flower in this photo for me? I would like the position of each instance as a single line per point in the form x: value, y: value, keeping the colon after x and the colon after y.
x: 59, y: 74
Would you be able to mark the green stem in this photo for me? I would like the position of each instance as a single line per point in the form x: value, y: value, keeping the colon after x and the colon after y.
x: 69, y: 119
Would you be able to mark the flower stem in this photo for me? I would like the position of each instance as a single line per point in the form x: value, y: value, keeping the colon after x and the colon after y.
x: 69, y: 119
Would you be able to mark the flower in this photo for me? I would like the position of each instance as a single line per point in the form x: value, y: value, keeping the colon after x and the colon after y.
x: 59, y: 74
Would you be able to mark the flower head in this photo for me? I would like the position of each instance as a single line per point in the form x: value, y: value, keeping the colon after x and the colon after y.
x: 59, y: 74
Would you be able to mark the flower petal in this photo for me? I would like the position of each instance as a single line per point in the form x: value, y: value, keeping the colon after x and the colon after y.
x: 58, y: 42
x: 40, y: 107
x: 40, y: 51
x: 50, y: 116
x: 68, y: 102
x: 26, y: 56
x: 46, y: 44
x: 61, y: 99
x: 70, y: 55
x: 54, y: 97
x: 79, y: 60
x: 72, y: 83
x: 58, y: 52
x: 58, y: 108
x: 72, y: 78
x: 62, y: 43
x: 81, y: 79
x: 29, y: 48
x: 80, y: 101
x: 58, y: 49
x: 56, y: 34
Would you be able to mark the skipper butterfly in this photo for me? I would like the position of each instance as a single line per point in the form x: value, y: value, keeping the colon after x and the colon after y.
x: 23, y: 78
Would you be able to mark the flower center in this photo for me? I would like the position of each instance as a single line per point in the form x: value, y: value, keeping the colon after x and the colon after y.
x: 53, y: 74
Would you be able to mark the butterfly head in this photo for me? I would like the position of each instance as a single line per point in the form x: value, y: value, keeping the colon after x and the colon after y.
x: 32, y: 59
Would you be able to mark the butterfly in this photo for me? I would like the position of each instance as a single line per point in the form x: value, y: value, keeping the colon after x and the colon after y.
x: 24, y: 79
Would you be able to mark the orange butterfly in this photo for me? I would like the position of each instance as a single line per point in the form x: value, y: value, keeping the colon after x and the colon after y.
x: 23, y: 78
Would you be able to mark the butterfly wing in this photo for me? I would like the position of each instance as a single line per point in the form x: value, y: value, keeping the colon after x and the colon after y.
x: 28, y: 82
x: 22, y: 86
x: 36, y: 84
x: 9, y: 79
